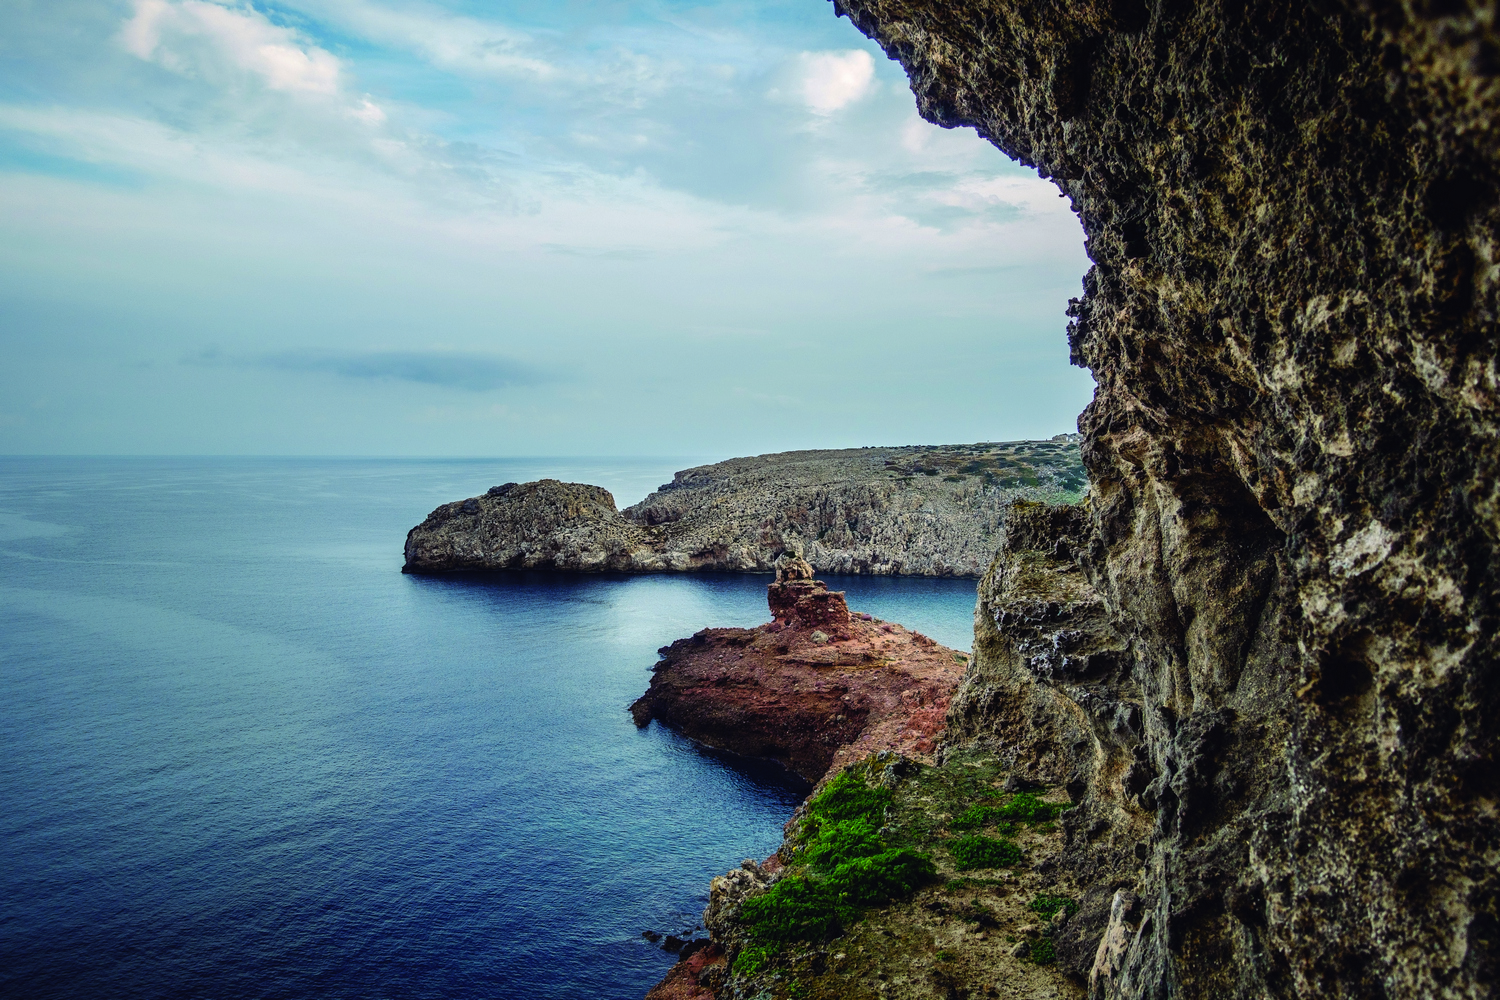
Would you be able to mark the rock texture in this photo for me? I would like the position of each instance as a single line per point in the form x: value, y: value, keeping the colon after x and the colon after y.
x: 1279, y: 709
x: 884, y: 511
x: 1053, y: 691
x: 816, y: 687
x: 682, y: 982
x: 541, y: 525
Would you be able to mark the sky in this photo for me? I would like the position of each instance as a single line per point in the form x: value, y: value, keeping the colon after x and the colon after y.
x: 450, y: 227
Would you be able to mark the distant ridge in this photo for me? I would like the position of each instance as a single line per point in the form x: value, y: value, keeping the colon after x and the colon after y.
x: 908, y: 511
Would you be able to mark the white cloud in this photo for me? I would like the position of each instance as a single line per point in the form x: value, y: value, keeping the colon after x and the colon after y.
x: 1026, y: 193
x: 199, y: 38
x: 368, y: 112
x: 464, y: 44
x: 597, y: 186
x: 916, y: 134
x: 832, y: 80
x: 413, y: 186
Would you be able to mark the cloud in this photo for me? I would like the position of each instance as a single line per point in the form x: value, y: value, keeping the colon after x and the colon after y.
x: 187, y: 169
x: 463, y: 44
x: 368, y: 112
x: 198, y: 38
x: 832, y: 80
x: 602, y: 253
x: 450, y: 370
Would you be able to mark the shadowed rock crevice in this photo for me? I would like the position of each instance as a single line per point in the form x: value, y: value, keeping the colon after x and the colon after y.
x: 1278, y: 713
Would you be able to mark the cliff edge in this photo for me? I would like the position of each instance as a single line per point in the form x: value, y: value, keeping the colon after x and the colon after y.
x: 888, y: 883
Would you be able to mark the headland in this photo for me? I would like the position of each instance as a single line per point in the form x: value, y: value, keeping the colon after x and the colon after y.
x: 917, y: 511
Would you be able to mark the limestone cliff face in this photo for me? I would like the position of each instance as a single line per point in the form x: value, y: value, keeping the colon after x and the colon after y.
x: 1287, y: 757
x: 884, y: 511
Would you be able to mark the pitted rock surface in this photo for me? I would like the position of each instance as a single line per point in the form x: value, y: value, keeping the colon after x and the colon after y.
x: 1280, y: 711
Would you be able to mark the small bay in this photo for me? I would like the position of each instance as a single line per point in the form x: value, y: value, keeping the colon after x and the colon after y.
x: 241, y: 755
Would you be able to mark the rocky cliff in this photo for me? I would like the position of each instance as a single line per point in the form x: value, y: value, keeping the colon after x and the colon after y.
x: 917, y: 511
x: 1262, y: 660
x: 817, y: 686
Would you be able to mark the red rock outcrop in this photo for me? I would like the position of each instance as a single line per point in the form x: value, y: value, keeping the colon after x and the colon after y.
x: 816, y: 687
x: 681, y: 983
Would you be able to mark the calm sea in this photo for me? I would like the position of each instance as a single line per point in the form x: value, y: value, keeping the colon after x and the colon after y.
x: 242, y: 756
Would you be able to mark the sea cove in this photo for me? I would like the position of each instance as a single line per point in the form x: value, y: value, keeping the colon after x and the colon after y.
x: 243, y: 755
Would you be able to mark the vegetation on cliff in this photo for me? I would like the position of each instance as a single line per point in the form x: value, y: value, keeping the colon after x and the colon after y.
x: 873, y: 900
x: 840, y: 865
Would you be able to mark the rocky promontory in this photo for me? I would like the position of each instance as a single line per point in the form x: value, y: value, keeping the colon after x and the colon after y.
x: 818, y: 686
x: 916, y: 511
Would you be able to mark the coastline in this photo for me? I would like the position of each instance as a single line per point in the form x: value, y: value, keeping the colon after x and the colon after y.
x: 919, y: 511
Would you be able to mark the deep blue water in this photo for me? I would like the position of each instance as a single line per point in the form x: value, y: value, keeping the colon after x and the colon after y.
x: 242, y: 756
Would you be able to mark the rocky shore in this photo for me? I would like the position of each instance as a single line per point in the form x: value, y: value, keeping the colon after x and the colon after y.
x: 817, y: 687
x: 918, y: 511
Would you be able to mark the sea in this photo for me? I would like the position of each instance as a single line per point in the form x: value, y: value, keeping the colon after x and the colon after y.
x: 243, y: 756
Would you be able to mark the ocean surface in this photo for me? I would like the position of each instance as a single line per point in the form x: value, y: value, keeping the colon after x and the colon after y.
x: 243, y: 756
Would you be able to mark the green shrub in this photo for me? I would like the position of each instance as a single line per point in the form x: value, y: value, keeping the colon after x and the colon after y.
x: 848, y: 797
x: 1027, y: 808
x: 847, y: 868
x: 800, y: 908
x: 753, y: 958
x: 1022, y: 808
x: 1043, y: 952
x: 1047, y: 906
x: 794, y: 909
x: 979, y: 851
x: 842, y: 841
x: 971, y: 818
x: 881, y: 878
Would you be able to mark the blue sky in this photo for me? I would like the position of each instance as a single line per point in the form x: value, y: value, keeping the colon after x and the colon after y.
x: 383, y: 227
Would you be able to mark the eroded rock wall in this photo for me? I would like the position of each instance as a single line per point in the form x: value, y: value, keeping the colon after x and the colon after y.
x: 1292, y: 213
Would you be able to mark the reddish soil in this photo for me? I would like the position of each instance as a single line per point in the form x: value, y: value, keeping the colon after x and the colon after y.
x: 681, y: 983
